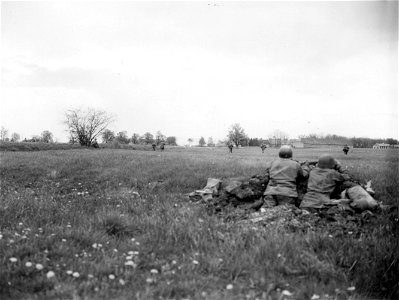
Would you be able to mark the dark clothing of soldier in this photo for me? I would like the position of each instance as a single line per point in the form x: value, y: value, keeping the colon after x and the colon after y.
x: 263, y: 147
x: 153, y: 146
x: 346, y: 149
x: 231, y: 148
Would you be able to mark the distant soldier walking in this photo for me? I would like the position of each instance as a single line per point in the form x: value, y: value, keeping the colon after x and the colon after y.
x: 95, y: 144
x: 230, y: 147
x: 153, y: 146
x: 162, y: 147
x: 346, y: 149
x: 263, y: 147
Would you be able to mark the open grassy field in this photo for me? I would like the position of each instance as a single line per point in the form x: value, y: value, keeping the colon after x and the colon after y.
x: 116, y: 224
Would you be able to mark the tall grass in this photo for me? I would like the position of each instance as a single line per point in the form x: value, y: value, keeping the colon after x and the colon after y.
x: 121, y: 221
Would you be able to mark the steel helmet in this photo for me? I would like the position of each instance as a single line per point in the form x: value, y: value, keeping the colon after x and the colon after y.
x: 326, y: 161
x: 285, y: 152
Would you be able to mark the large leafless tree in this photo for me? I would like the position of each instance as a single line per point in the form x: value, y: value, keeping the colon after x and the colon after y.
x: 85, y: 125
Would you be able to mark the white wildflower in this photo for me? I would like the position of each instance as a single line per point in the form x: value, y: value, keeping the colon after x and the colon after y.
x: 69, y: 272
x: 75, y: 274
x: 39, y: 267
x: 13, y: 259
x: 50, y: 274
x: 351, y: 288
x: 154, y: 271
x: 28, y: 264
x: 121, y: 282
x: 229, y: 287
x: 111, y: 276
x: 287, y: 293
x: 195, y: 262
x: 130, y: 263
x: 315, y: 297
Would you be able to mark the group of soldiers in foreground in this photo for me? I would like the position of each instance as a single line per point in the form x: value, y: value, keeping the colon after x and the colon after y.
x: 284, y: 174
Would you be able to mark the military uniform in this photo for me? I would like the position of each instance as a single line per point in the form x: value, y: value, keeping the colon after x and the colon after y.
x: 282, y: 186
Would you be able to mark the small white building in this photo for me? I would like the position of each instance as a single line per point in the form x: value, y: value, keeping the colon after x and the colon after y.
x: 297, y: 144
x: 381, y: 146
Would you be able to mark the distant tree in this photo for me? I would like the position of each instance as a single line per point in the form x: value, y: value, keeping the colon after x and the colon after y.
x: 36, y: 138
x: 202, y: 141
x: 254, y: 142
x: 86, y: 125
x: 47, y: 136
x: 159, y: 137
x: 135, y: 138
x: 3, y: 133
x: 107, y: 136
x: 210, y: 142
x: 147, y: 138
x: 15, y: 137
x: 237, y: 135
x: 391, y: 141
x: 122, y: 138
x: 190, y: 141
x: 72, y: 140
x: 171, y: 140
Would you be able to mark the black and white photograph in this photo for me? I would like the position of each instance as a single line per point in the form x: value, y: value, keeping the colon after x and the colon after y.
x: 199, y: 150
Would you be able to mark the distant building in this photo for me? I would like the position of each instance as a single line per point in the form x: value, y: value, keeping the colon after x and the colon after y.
x: 381, y: 146
x: 297, y: 144
x: 322, y: 143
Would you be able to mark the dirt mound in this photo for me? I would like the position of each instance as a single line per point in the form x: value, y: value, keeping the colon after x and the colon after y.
x: 240, y: 200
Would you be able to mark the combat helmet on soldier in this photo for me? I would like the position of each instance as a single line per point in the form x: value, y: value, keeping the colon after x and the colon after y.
x: 326, y: 161
x: 285, y: 152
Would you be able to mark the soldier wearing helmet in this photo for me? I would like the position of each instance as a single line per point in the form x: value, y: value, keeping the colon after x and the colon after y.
x: 323, y: 180
x: 283, y: 175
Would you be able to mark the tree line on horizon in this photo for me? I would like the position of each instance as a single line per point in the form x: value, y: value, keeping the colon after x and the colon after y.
x: 87, y: 126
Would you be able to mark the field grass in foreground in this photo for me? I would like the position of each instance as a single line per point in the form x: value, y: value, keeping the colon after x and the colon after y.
x: 115, y: 224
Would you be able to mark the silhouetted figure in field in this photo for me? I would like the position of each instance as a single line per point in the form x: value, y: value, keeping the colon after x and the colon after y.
x: 230, y: 147
x: 162, y: 147
x: 263, y: 147
x: 95, y: 144
x: 346, y: 149
x: 153, y: 146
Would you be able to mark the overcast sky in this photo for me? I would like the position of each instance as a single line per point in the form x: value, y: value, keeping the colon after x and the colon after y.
x: 192, y: 69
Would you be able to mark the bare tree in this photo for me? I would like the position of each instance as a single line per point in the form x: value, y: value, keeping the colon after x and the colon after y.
x: 86, y: 125
x: 3, y: 133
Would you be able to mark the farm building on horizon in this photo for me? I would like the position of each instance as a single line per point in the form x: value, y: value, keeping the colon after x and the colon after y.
x: 382, y: 146
x: 320, y: 143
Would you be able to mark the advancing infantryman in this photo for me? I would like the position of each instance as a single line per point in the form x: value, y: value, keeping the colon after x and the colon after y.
x: 95, y: 144
x: 346, y: 149
x: 283, y: 175
x: 231, y: 147
x: 323, y: 180
x: 162, y: 146
x: 263, y: 147
x: 153, y: 146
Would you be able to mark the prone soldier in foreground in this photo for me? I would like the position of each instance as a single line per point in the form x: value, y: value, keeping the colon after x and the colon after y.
x: 284, y: 173
x: 323, y: 181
